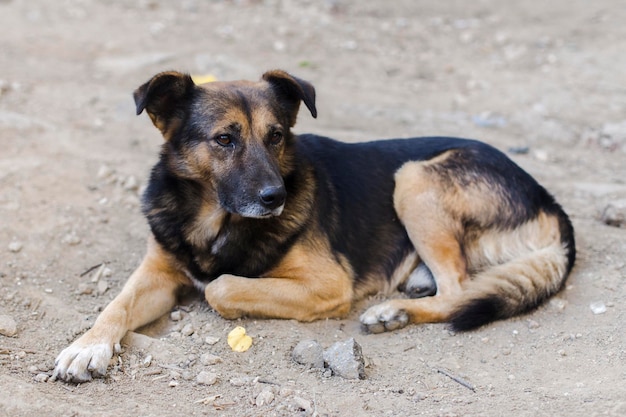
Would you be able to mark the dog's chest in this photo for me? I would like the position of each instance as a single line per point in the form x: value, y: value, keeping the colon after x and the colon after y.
x: 243, y: 249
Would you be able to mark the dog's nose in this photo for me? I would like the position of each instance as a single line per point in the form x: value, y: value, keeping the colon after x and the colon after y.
x: 273, y: 197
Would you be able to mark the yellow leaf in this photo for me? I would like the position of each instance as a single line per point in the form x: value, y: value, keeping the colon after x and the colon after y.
x: 238, y: 340
x: 203, y: 78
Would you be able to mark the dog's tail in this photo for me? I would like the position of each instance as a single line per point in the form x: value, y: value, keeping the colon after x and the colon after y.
x: 512, y: 272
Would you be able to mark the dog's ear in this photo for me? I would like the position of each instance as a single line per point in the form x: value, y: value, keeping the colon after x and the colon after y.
x: 164, y: 98
x: 291, y: 90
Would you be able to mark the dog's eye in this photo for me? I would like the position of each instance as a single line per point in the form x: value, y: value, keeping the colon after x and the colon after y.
x: 276, y: 138
x: 224, y: 140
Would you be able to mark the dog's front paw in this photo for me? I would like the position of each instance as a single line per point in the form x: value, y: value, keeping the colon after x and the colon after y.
x: 80, y: 362
x: 221, y: 295
x: 383, y: 317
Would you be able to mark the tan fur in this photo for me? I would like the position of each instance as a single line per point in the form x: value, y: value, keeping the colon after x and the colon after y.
x: 294, y: 289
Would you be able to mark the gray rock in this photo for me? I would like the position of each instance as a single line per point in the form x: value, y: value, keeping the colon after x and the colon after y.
x: 264, y: 397
x: 346, y: 359
x: 15, y: 246
x: 614, y: 214
x: 8, y: 327
x: 188, y: 330
x: 209, y: 359
x: 41, y: 377
x: 309, y: 353
x: 206, y: 378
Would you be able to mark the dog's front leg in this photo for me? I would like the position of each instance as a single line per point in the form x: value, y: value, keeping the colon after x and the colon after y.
x: 309, y: 284
x: 149, y: 293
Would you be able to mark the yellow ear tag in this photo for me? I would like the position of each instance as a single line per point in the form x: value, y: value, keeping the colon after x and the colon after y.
x: 238, y: 340
x: 203, y: 78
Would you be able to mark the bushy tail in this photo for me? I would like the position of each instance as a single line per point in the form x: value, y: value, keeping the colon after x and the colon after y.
x: 519, y: 270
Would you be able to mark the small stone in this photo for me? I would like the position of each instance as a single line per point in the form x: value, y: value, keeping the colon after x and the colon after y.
x: 598, y: 307
x: 265, y: 397
x: 309, y: 353
x: 240, y: 381
x: 173, y: 383
x: 542, y: 155
x: 84, y: 289
x: 42, y: 377
x: 211, y: 340
x: 15, y: 247
x: 131, y: 184
x: 8, y: 327
x: 105, y: 172
x: 614, y: 214
x: 103, y: 286
x: 33, y: 369
x: 147, y: 361
x: 346, y: 359
x: 558, y: 304
x: 206, y: 378
x: 176, y: 315
x: 209, y: 359
x: 562, y: 352
x: 188, y: 330
x: 71, y: 239
x: 301, y: 404
x: 532, y: 324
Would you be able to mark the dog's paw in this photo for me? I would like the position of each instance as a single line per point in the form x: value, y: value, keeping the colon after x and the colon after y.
x: 221, y: 295
x: 81, y: 362
x: 383, y: 317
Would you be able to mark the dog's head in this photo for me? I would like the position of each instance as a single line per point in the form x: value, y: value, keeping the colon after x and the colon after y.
x: 232, y: 137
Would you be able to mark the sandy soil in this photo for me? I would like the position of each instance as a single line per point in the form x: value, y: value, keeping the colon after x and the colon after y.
x: 549, y: 77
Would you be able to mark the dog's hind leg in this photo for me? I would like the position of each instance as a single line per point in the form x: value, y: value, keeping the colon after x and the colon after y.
x: 149, y: 293
x: 420, y: 201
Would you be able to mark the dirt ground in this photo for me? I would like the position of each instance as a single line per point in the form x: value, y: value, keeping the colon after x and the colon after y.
x: 544, y: 77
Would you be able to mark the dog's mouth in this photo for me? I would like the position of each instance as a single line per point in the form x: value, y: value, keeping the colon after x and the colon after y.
x: 256, y: 212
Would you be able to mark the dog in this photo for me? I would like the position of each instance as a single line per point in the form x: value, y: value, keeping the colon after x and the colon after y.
x: 273, y: 225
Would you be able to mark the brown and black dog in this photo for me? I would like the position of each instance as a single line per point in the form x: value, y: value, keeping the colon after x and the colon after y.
x: 269, y: 224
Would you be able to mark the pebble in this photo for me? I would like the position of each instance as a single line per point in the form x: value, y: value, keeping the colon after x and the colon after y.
x: 206, y: 378
x: 301, y: 403
x: 532, y: 324
x: 211, y: 340
x: 346, y: 359
x: 188, y: 330
x: 614, y: 214
x: 16, y: 246
x: 173, y: 383
x: 265, y: 397
x: 131, y: 184
x: 309, y: 353
x: 103, y: 286
x: 84, y: 289
x: 176, y: 315
x: 598, y: 307
x: 147, y: 361
x: 71, y: 239
x: 105, y: 172
x: 558, y: 304
x: 41, y: 377
x: 209, y: 359
x: 8, y: 327
x: 240, y: 381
